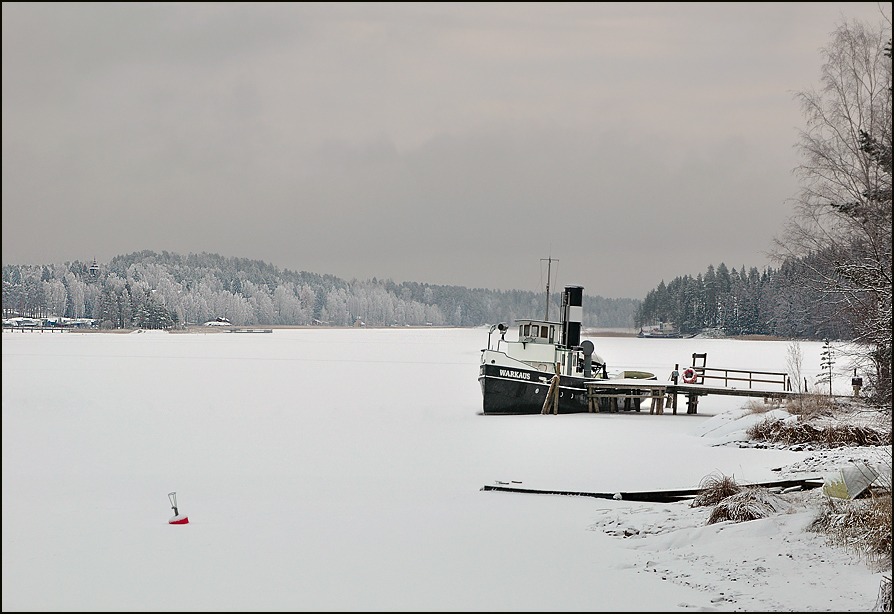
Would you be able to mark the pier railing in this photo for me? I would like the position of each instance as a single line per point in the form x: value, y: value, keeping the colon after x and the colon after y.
x: 738, y: 375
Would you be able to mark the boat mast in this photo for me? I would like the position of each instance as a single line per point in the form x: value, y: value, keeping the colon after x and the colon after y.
x: 548, y: 269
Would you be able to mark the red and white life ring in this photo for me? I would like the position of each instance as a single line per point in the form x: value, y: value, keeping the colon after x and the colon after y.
x: 690, y: 376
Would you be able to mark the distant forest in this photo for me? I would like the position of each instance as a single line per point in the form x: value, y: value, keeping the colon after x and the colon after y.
x: 739, y: 302
x: 150, y: 290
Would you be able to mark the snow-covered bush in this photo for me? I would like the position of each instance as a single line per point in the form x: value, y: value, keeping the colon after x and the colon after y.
x: 750, y: 503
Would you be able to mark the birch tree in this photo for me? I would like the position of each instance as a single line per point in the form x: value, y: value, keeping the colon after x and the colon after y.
x: 842, y: 216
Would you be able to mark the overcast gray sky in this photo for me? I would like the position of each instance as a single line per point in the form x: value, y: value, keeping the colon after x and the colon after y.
x: 440, y: 143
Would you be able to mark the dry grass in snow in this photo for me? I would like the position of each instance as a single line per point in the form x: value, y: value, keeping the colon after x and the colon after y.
x: 734, y: 502
x: 812, y: 405
x: 862, y: 527
x: 883, y: 601
x: 749, y: 504
x: 715, y: 487
x: 775, y: 430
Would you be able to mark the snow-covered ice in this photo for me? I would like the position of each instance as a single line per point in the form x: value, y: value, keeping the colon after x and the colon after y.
x: 334, y: 469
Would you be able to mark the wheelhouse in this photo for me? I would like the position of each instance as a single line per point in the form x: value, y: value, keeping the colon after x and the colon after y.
x: 537, y: 331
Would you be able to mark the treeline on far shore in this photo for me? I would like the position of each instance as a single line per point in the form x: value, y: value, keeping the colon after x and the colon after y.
x: 151, y: 290
x: 773, y: 302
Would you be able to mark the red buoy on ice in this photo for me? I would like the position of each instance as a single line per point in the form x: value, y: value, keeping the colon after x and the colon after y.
x: 176, y: 518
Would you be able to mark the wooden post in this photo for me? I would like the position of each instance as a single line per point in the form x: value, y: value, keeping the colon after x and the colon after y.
x: 657, y: 403
x: 692, y: 403
x: 549, y: 395
x: 552, y: 396
x: 676, y: 376
x: 556, y: 397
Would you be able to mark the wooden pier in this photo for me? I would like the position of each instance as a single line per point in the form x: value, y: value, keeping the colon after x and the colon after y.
x: 39, y: 329
x: 664, y: 395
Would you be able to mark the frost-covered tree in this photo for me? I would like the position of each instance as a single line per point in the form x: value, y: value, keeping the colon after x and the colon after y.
x: 841, y: 228
x: 287, y: 305
x: 77, y: 295
x: 56, y: 297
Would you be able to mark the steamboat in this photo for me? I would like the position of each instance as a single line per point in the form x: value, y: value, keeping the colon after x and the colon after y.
x: 547, y: 360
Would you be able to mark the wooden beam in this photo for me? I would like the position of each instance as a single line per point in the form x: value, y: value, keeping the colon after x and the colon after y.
x: 655, y: 496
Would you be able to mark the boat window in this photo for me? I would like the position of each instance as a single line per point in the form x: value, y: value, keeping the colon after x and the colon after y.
x: 527, y: 330
x: 552, y: 333
x: 534, y: 330
x: 543, y: 332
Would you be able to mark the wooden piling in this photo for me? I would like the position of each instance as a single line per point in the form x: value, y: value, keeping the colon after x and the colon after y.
x: 552, y: 396
x: 552, y: 392
x: 676, y: 376
x: 657, y: 402
x: 692, y: 403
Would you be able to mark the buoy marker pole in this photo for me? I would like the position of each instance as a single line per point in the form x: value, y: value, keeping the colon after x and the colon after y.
x: 176, y: 519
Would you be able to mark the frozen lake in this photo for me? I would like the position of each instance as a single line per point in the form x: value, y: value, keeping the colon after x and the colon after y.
x: 331, y: 469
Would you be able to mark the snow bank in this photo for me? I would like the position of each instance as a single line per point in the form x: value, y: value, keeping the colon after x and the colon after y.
x: 731, y: 426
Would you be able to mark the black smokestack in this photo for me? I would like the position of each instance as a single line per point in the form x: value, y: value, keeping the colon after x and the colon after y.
x: 572, y: 315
